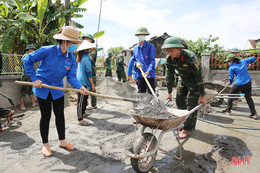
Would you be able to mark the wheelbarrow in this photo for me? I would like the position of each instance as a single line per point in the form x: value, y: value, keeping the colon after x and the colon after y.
x: 144, y: 149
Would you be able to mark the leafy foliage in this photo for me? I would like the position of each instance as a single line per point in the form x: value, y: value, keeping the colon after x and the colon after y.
x: 115, y: 50
x: 33, y: 22
x: 203, y: 45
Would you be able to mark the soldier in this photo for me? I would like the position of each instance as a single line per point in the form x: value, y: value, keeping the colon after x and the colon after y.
x: 243, y: 82
x: 108, y: 64
x: 24, y: 88
x: 120, y: 71
x: 144, y: 57
x: 93, y: 56
x: 190, y: 88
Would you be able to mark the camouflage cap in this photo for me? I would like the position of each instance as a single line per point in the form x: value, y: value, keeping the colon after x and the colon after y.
x: 230, y: 57
x: 110, y: 54
x: 234, y: 50
x: 142, y: 31
x: 89, y: 36
x: 30, y: 46
x: 172, y: 42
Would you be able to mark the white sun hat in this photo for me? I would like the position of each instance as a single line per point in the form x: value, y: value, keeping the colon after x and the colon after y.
x: 85, y: 45
x: 68, y: 33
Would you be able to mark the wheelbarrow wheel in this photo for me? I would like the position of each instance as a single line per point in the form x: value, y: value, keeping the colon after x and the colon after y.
x: 140, y: 146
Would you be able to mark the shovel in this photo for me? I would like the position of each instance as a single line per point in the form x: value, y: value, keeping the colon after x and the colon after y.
x: 9, y: 99
x: 78, y: 91
x: 147, y: 82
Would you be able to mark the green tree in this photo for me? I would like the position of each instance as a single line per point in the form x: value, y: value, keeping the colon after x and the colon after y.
x: 204, y: 45
x: 26, y: 21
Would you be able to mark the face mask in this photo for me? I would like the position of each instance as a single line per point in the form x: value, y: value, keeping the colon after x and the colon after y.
x: 73, y: 47
x: 141, y: 38
x: 229, y: 63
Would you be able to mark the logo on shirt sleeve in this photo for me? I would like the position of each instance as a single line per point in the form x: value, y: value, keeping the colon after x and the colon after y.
x: 146, y: 57
x: 67, y: 67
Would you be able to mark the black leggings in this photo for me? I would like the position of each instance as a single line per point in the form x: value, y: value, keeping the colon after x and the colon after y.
x: 245, y: 89
x: 58, y: 109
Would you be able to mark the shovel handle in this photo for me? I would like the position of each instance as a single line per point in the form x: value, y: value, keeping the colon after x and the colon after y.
x: 78, y: 91
x: 148, y: 83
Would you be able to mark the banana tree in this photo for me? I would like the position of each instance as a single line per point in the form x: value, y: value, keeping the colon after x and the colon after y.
x: 24, y: 22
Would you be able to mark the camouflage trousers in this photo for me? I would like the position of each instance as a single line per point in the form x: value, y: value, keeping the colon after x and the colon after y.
x: 108, y: 72
x: 186, y: 99
x: 3, y: 114
x: 25, y: 89
x: 94, y: 98
x: 121, y: 75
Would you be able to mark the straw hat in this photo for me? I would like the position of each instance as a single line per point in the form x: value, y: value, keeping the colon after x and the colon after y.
x: 68, y: 33
x: 85, y: 45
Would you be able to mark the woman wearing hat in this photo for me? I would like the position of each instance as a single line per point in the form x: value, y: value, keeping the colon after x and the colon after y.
x: 238, y: 71
x: 57, y: 61
x: 25, y: 89
x: 84, y: 75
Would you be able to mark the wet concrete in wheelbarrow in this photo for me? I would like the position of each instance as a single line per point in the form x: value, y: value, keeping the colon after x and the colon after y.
x: 101, y: 146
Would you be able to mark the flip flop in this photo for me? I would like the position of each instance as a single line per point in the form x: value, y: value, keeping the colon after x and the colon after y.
x: 22, y: 108
x: 47, y: 152
x: 35, y: 105
x: 69, y: 147
x: 183, y: 135
x: 84, y: 123
x: 93, y: 107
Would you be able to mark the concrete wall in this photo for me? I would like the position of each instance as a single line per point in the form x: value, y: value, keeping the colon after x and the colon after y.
x: 11, y: 90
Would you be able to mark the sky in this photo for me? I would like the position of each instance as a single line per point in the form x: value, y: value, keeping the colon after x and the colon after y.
x: 233, y: 21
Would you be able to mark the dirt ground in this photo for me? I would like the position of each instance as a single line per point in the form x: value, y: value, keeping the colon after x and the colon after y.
x: 101, y: 146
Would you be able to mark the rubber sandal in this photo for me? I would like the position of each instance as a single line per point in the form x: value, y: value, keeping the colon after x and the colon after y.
x: 47, y: 152
x: 69, y: 147
x: 35, y: 105
x: 183, y: 134
x: 22, y: 108
x: 94, y: 107
x: 84, y: 123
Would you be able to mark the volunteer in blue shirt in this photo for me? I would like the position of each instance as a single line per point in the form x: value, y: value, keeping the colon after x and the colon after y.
x: 84, y: 75
x: 132, y: 71
x: 243, y: 82
x: 57, y: 61
x: 144, y: 57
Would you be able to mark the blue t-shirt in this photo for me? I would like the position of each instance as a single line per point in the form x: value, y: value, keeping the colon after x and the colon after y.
x: 240, y: 71
x: 85, y: 71
x: 53, y: 68
x: 145, y: 55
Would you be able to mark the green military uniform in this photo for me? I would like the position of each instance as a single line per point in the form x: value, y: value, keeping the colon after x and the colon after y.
x: 108, y: 67
x: 93, y: 55
x: 120, y: 71
x: 190, y: 84
x: 25, y: 89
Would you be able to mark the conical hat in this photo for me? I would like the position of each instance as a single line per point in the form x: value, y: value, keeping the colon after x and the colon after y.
x: 85, y: 45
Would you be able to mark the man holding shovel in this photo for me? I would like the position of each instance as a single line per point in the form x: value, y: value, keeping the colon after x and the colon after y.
x: 190, y: 90
x: 144, y: 58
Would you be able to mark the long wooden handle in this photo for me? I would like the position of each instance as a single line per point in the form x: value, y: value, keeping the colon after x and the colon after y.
x: 146, y: 80
x: 77, y: 90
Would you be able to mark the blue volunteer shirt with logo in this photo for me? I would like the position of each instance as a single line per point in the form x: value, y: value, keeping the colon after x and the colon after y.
x: 53, y: 68
x: 145, y: 55
x: 240, y: 71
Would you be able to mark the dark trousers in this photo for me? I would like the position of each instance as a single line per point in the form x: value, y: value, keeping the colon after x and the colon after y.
x: 245, y: 89
x: 143, y: 87
x: 81, y: 106
x: 58, y: 109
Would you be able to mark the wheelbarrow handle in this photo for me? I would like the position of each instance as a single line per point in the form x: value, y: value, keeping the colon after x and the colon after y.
x: 194, y: 109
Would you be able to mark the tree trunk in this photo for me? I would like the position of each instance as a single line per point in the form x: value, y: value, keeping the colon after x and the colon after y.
x: 67, y: 18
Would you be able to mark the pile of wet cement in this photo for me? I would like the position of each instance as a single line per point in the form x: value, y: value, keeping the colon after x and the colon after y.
x: 146, y: 105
